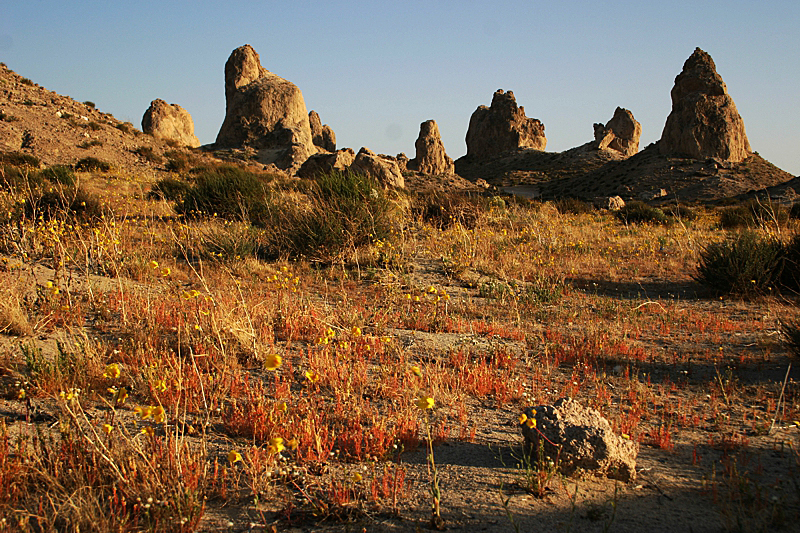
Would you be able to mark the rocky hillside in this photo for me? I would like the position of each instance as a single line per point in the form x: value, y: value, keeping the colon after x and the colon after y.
x: 59, y: 130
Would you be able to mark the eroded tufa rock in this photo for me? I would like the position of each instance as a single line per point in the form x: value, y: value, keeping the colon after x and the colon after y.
x: 704, y: 121
x: 324, y: 162
x: 586, y: 439
x: 169, y: 121
x: 321, y: 135
x: 611, y: 203
x: 621, y: 133
x: 264, y: 112
x: 431, y: 157
x: 383, y: 169
x: 503, y: 127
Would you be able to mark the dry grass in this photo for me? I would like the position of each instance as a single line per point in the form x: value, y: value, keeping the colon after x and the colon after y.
x: 186, y: 382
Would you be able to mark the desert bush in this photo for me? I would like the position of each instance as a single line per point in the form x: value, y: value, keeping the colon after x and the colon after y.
x: 170, y: 189
x: 59, y: 174
x: 790, y: 267
x: 63, y: 202
x: 92, y: 164
x: 94, y: 126
x: 228, y: 191
x: 88, y: 144
x: 443, y: 209
x: 791, y: 334
x: 639, y: 212
x: 345, y: 210
x: 752, y: 214
x: 87, y: 103
x: 177, y: 161
x: 124, y: 127
x: 745, y: 264
x: 18, y: 159
x: 570, y: 204
x: 26, y: 81
x: 148, y: 153
x: 682, y: 212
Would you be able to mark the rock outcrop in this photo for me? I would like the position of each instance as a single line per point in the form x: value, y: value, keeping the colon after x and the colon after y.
x: 503, y: 127
x: 621, y: 133
x: 324, y: 162
x: 169, y: 121
x: 321, y: 135
x: 383, y: 169
x: 585, y: 438
x: 611, y: 203
x: 704, y: 121
x: 264, y: 112
x: 431, y: 157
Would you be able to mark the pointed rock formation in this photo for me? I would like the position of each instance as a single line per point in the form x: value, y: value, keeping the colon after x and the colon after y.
x: 704, y: 121
x: 431, y: 157
x: 622, y: 133
x: 322, y: 136
x: 169, y: 121
x: 503, y: 127
x: 264, y: 112
x: 383, y: 169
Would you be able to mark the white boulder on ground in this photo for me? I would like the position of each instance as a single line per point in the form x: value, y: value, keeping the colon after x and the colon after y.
x: 584, y: 437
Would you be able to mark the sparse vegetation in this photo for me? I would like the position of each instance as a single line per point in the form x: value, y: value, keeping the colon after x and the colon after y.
x: 754, y: 213
x: 89, y: 144
x: 636, y: 212
x: 92, y: 164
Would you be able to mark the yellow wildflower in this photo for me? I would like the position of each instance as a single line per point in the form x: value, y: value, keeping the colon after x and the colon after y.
x: 312, y: 376
x: 522, y: 418
x: 293, y: 444
x: 357, y: 477
x: 531, y: 422
x: 273, y: 361
x: 107, y: 428
x: 166, y: 271
x: 282, y: 407
x: 154, y: 264
x: 356, y: 331
x: 234, y: 456
x: 160, y: 385
x: 425, y: 402
x: 276, y: 445
x: 159, y: 415
x: 416, y: 371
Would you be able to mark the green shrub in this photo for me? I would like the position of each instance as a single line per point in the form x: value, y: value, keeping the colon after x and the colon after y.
x: 124, y: 127
x: 170, y: 189
x: 59, y: 174
x: 570, y: 204
x: 26, y: 81
x: 89, y: 104
x: 148, y: 153
x: 94, y: 126
x: 345, y: 211
x: 794, y: 212
x: 88, y: 144
x: 682, y: 212
x: 63, y: 202
x: 639, y: 212
x: 92, y: 164
x: 177, y: 161
x: 443, y: 209
x: 18, y: 159
x: 753, y: 214
x: 745, y: 264
x: 227, y: 191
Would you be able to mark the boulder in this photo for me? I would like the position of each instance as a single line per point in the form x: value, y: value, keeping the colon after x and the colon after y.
x: 611, y: 203
x: 325, y: 162
x: 321, y: 135
x: 264, y: 112
x: 621, y: 133
x: 585, y: 437
x: 431, y: 157
x: 171, y: 122
x: 704, y: 121
x: 382, y: 168
x: 503, y: 127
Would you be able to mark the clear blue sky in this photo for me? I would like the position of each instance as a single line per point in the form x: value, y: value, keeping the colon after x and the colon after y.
x: 375, y: 70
